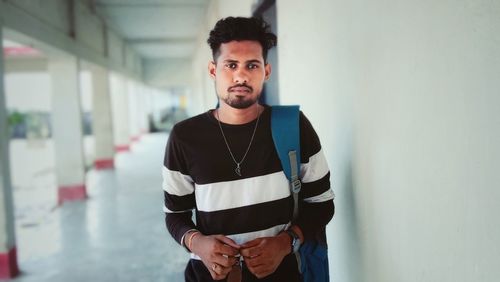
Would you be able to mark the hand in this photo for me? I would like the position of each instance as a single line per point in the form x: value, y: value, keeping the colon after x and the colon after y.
x: 264, y: 255
x: 217, y: 252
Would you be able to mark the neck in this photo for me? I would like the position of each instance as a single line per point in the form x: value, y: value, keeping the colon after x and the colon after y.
x: 230, y: 115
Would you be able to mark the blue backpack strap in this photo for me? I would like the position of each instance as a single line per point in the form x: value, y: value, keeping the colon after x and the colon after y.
x: 286, y: 136
x: 312, y: 257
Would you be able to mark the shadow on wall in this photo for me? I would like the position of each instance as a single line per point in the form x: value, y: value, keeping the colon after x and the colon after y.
x: 346, y: 259
x: 352, y: 228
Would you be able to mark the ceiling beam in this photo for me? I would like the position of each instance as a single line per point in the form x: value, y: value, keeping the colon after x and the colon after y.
x: 161, y: 40
x: 148, y: 5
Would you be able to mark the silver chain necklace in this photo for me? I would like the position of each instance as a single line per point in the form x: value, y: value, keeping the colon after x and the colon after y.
x: 238, y: 164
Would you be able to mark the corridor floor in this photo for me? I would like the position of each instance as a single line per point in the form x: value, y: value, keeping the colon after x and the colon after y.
x: 117, y: 234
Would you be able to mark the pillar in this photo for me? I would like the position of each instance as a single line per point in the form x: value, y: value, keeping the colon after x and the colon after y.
x: 8, y: 254
x: 132, y: 91
x: 67, y: 129
x: 120, y: 113
x: 102, y: 124
x: 143, y: 105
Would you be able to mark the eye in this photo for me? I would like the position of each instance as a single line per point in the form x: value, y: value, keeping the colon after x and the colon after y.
x: 253, y: 66
x: 231, y: 65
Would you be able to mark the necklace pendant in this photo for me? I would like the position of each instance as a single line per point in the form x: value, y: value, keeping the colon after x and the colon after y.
x: 238, y: 170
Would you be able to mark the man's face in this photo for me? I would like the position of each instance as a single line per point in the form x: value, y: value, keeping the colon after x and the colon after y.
x: 239, y: 73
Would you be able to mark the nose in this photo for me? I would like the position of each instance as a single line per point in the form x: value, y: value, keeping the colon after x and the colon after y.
x: 240, y: 76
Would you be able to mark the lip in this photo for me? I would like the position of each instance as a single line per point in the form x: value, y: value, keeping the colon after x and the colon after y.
x: 240, y: 89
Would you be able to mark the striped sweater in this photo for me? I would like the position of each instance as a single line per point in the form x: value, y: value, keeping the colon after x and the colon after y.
x: 199, y: 174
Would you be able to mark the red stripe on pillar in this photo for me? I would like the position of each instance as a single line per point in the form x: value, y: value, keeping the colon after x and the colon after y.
x: 71, y: 193
x: 104, y: 164
x: 122, y: 148
x: 8, y: 264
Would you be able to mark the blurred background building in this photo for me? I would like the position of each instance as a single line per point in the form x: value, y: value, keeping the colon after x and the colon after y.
x: 405, y: 96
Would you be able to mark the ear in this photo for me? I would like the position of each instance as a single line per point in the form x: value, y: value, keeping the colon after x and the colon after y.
x: 267, y: 69
x: 212, y: 69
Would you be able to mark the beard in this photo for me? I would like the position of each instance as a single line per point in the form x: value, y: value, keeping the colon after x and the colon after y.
x: 240, y: 102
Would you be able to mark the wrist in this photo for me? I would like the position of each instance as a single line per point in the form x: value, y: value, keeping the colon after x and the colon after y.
x: 286, y: 242
x: 184, y: 238
x: 190, y: 240
x: 295, y: 240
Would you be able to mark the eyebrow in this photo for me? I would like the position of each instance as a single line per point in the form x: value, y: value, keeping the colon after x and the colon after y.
x: 255, y: 61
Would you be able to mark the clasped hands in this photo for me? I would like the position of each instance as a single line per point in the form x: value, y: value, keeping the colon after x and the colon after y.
x: 262, y: 256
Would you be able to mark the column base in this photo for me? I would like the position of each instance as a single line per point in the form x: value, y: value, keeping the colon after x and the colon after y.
x: 122, y: 148
x: 104, y: 164
x: 71, y: 193
x: 8, y: 264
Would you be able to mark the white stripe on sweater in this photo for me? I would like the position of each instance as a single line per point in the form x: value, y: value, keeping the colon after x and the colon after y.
x: 315, y: 169
x: 241, y: 193
x: 326, y: 196
x: 176, y: 183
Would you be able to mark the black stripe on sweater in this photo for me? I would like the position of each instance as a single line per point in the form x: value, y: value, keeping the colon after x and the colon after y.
x: 246, y: 219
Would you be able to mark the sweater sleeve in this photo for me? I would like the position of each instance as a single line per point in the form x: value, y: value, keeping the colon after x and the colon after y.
x: 178, y: 189
x: 316, y: 207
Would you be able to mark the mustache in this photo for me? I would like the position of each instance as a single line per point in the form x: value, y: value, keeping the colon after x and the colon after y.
x: 240, y: 85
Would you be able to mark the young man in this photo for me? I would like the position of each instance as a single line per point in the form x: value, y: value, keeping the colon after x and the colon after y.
x: 223, y: 164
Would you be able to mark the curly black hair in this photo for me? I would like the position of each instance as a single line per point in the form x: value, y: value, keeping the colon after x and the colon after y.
x: 240, y: 28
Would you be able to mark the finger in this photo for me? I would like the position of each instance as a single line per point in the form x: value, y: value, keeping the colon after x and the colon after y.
x: 250, y: 244
x: 258, y: 261
x: 217, y: 269
x: 228, y: 250
x: 251, y: 252
x: 224, y: 271
x: 225, y: 261
x: 254, y: 262
x: 227, y: 241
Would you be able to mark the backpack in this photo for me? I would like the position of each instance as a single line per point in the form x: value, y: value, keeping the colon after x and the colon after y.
x: 312, y: 257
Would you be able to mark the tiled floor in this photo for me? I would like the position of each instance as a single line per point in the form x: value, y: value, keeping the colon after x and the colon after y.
x: 118, y: 234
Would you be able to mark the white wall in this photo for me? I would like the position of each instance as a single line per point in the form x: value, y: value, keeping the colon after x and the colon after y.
x: 86, y: 91
x: 119, y: 108
x: 28, y: 91
x: 143, y: 108
x: 135, y: 114
x: 405, y: 97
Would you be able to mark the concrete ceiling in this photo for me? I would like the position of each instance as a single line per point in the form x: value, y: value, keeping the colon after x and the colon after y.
x: 156, y: 29
x: 163, y: 33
